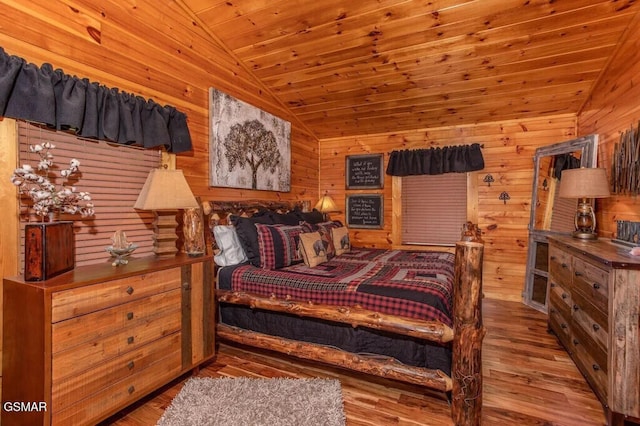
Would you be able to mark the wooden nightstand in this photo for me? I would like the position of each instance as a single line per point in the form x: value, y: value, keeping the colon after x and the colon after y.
x: 93, y: 340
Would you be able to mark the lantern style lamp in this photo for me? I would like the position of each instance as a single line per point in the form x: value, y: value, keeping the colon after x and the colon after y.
x: 165, y: 192
x: 584, y: 184
x: 326, y: 205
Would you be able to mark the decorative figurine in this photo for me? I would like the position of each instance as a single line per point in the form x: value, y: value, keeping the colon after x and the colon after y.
x: 121, y: 248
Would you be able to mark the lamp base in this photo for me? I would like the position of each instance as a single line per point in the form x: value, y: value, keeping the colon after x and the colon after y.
x: 582, y: 235
x: 165, y: 237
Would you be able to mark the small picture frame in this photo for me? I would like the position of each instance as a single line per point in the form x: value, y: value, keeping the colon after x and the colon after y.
x: 364, y: 171
x: 365, y: 211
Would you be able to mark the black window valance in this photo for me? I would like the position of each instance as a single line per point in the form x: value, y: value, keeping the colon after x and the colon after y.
x: 435, y: 161
x: 65, y: 102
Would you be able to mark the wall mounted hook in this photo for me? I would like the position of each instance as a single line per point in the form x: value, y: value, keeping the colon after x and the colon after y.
x: 504, y: 196
x: 488, y: 179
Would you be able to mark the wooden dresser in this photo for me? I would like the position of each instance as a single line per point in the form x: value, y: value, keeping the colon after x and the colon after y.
x: 88, y: 343
x: 594, y: 309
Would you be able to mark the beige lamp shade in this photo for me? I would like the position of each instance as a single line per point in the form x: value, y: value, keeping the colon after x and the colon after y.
x: 326, y: 205
x: 584, y: 183
x: 165, y: 189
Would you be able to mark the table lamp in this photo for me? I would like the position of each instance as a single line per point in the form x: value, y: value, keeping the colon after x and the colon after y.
x: 326, y: 205
x: 165, y: 192
x: 584, y: 184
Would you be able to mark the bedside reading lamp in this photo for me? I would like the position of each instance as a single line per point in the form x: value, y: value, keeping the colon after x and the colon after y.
x: 584, y: 184
x: 326, y: 205
x: 165, y: 192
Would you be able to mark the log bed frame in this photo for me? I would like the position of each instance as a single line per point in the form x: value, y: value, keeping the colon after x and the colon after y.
x: 465, y: 383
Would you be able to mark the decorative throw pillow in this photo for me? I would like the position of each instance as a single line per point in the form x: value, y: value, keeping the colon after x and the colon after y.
x: 313, y: 216
x: 313, y: 249
x: 341, y: 242
x: 248, y: 235
x: 278, y: 245
x: 324, y: 228
x: 290, y: 218
x: 231, y: 252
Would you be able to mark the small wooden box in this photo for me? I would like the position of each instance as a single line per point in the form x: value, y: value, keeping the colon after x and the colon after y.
x: 49, y: 250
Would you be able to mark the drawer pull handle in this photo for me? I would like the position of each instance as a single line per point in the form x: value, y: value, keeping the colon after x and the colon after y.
x: 130, y: 339
x: 563, y: 325
x: 596, y: 367
x: 596, y: 327
x: 564, y: 295
x: 575, y: 342
x: 553, y: 258
x: 576, y: 307
x: 130, y: 365
x: 131, y: 389
x: 129, y: 290
x: 578, y: 274
x: 553, y: 285
x: 129, y: 315
x: 186, y: 285
x: 596, y: 286
x: 564, y: 265
x: 553, y: 310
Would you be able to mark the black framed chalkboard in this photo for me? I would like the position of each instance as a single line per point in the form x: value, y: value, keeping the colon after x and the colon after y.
x: 365, y: 211
x: 364, y: 171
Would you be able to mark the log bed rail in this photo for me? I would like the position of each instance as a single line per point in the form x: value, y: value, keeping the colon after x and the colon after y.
x: 465, y: 383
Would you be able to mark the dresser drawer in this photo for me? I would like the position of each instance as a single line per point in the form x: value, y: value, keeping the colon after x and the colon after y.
x: 597, y: 354
x: 593, y: 371
x: 94, y: 352
x: 561, y: 296
x: 79, y: 386
x: 593, y: 282
x: 78, y: 301
x: 560, y: 266
x: 120, y: 394
x: 596, y: 330
x: 91, y: 327
x: 586, y: 313
x: 561, y: 326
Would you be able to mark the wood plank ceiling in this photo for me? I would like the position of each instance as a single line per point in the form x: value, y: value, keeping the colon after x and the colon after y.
x: 365, y: 66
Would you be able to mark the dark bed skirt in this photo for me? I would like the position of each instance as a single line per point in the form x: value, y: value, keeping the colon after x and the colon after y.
x: 362, y: 341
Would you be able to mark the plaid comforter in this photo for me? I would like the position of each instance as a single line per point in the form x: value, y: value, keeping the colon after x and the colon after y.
x: 405, y: 283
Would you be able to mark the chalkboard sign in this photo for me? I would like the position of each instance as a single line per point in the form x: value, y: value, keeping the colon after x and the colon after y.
x: 364, y: 171
x: 365, y: 211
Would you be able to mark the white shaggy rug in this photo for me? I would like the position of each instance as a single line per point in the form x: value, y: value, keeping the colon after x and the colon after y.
x: 255, y: 402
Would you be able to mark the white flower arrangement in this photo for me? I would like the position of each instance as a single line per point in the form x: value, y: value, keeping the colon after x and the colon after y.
x: 46, y: 197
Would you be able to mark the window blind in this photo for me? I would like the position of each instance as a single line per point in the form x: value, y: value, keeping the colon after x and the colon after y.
x: 113, y: 174
x: 434, y: 207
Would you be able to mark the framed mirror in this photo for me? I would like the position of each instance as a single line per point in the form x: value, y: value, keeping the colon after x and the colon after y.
x: 551, y: 215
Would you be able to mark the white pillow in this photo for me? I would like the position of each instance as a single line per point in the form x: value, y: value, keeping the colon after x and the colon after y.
x: 231, y: 252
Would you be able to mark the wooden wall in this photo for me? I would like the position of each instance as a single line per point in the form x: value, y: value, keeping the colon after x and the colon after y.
x: 508, y: 154
x: 158, y: 53
x: 612, y: 108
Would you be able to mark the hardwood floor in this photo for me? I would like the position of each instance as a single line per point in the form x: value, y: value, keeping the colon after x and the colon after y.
x: 528, y: 380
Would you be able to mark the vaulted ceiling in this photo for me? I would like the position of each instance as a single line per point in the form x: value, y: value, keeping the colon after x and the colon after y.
x: 364, y: 66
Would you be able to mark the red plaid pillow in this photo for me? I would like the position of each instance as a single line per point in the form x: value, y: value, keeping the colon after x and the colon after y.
x: 278, y: 245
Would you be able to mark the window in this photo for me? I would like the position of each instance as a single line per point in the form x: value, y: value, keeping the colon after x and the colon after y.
x: 113, y: 174
x: 434, y: 208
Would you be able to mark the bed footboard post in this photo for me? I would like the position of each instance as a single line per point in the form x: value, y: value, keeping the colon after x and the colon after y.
x: 466, y: 369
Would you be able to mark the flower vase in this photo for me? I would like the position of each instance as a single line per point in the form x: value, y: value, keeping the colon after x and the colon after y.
x: 53, y: 216
x: 49, y: 250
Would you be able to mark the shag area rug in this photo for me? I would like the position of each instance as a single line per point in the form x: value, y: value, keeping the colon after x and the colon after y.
x: 252, y: 402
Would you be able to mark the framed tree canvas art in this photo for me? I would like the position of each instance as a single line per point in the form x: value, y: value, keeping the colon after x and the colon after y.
x: 248, y: 147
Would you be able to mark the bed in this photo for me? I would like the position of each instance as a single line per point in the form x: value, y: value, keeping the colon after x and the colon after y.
x: 413, y: 316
